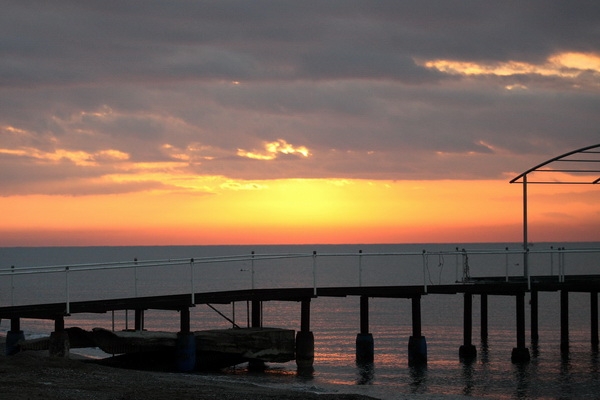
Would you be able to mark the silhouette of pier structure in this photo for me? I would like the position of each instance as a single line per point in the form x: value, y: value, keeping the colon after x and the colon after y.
x: 464, y: 284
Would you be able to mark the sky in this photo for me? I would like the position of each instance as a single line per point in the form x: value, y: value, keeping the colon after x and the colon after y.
x: 269, y: 122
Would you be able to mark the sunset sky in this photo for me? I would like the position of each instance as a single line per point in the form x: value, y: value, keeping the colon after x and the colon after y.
x: 266, y: 122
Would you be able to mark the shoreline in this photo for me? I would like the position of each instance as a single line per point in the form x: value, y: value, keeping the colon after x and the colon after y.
x: 33, y: 374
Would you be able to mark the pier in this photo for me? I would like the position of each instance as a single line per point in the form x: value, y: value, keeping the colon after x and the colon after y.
x: 186, y: 344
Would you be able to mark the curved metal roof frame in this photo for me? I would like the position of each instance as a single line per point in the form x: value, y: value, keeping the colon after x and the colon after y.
x: 574, y: 160
x: 591, y: 161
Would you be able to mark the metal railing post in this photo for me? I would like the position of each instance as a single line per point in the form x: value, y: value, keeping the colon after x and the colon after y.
x: 424, y: 256
x: 68, y: 301
x: 314, y: 257
x: 12, y: 285
x: 360, y: 268
x: 527, y: 271
x: 192, y: 281
x: 561, y: 264
x: 457, y: 265
x: 551, y: 261
x: 135, y: 277
x: 252, y: 269
x: 506, y: 264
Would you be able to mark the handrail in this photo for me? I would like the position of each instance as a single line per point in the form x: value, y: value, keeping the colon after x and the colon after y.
x: 254, y: 258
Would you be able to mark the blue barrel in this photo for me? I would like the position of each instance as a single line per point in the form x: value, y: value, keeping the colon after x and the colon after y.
x: 185, y: 356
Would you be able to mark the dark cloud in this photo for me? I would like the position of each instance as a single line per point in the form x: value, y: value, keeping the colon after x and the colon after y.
x: 193, y: 82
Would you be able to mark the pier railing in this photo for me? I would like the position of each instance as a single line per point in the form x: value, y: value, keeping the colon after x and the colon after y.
x: 97, y: 281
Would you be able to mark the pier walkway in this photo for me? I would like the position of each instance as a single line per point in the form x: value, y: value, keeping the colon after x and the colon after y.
x: 496, y: 277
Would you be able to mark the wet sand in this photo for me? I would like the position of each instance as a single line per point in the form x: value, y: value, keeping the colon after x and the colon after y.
x: 34, y: 375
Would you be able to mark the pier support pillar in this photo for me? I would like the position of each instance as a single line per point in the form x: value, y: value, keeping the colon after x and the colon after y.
x: 59, y: 340
x: 484, y: 318
x: 564, y: 321
x: 534, y: 317
x: 520, y: 353
x: 594, y: 319
x: 139, y: 320
x: 256, y: 313
x: 256, y: 365
x: 185, y: 349
x: 365, y: 346
x: 467, y: 351
x: 305, y: 340
x: 417, y: 345
x: 14, y: 336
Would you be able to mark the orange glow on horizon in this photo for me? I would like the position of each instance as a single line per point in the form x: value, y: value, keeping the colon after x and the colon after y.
x: 297, y: 211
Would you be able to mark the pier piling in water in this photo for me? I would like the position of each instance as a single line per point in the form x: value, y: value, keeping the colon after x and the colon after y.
x: 468, y: 351
x: 594, y: 319
x: 484, y: 318
x: 533, y: 303
x: 564, y: 321
x: 365, y: 346
x: 417, y: 345
x: 520, y: 353
x: 305, y: 340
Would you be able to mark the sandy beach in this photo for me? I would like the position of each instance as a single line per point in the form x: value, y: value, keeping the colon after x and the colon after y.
x: 34, y: 375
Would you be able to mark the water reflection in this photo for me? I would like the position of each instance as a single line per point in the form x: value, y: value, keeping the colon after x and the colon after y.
x: 484, y: 352
x: 418, y: 378
x: 523, y: 379
x: 468, y: 367
x: 365, y: 373
x: 566, y: 374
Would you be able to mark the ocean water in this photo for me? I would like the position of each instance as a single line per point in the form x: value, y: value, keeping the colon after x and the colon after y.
x: 335, y: 321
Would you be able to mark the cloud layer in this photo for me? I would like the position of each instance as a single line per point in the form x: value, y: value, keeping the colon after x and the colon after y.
x: 117, y: 96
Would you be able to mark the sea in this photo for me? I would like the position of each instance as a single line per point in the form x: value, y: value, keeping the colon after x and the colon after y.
x: 335, y: 322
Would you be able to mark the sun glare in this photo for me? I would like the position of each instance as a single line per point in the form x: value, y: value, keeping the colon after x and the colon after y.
x: 220, y: 210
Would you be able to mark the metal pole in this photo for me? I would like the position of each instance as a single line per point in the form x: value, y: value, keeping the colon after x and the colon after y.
x: 360, y: 268
x: 457, y: 265
x: 551, y: 261
x: 12, y: 285
x: 67, y: 290
x: 252, y: 269
x: 525, y: 239
x: 506, y: 264
x: 424, y: 271
x: 192, y: 281
x: 135, y: 277
x: 314, y: 272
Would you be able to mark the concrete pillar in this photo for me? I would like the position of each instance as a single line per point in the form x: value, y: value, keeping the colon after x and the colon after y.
x: 520, y: 353
x: 467, y: 350
x: 185, y: 349
x: 365, y: 347
x: 594, y: 318
x: 564, y: 321
x: 139, y: 320
x: 305, y: 340
x: 256, y: 314
x: 417, y: 345
x: 59, y: 340
x: 13, y: 337
x: 484, y: 318
x: 534, y: 317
